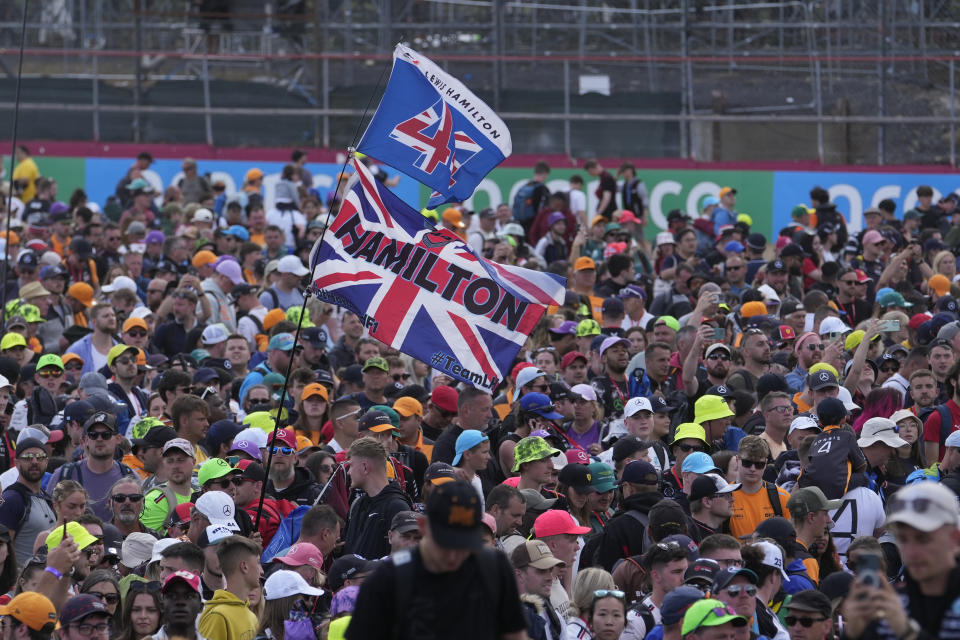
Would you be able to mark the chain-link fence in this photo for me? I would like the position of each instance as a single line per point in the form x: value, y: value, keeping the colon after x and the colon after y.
x: 839, y: 81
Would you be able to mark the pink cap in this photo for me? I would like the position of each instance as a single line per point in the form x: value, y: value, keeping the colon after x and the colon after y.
x: 190, y: 578
x: 783, y: 241
x: 303, y: 553
x: 491, y: 523
x: 512, y: 482
x: 809, y: 335
x: 556, y: 522
x: 286, y: 436
x: 577, y: 456
x: 872, y: 237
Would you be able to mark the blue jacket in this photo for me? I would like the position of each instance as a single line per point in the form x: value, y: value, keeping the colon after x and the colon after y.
x: 84, y: 348
x: 798, y: 579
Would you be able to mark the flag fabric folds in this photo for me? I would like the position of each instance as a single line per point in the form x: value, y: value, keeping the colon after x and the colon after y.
x: 434, y: 129
x: 423, y: 291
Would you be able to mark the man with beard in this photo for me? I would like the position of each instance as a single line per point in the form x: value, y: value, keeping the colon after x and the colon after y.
x: 288, y: 481
x: 716, y: 364
x: 93, y: 348
x: 776, y: 275
x: 810, y: 515
x: 612, y: 389
x: 97, y: 471
x: 126, y: 504
x: 122, y: 361
x: 181, y: 600
x: 178, y: 462
x: 809, y: 349
x: 375, y: 378
x: 755, y: 349
x: 27, y: 510
x: 923, y: 392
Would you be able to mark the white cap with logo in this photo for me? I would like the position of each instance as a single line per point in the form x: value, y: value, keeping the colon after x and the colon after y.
x: 926, y: 506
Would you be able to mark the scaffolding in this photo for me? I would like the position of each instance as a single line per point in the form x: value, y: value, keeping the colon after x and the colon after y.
x: 837, y: 81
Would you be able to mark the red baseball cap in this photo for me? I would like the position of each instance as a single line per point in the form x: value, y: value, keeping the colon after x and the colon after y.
x: 520, y: 366
x: 445, y: 398
x: 568, y: 359
x: 918, y: 319
x: 556, y: 522
x: 577, y: 456
x: 303, y: 553
x: 862, y: 276
x: 188, y: 577
x: 286, y: 436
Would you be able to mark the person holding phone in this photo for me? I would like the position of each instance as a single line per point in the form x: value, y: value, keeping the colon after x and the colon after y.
x: 923, y: 518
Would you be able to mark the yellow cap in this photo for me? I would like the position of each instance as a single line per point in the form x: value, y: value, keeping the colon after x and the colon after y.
x: 710, y: 408
x: 117, y: 350
x: 824, y: 366
x: 81, y: 536
x: 690, y: 430
x: 12, y: 340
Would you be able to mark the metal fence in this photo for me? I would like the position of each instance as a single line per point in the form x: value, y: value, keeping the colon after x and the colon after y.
x: 837, y: 81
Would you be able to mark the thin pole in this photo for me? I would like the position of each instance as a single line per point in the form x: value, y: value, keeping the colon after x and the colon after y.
x: 13, y: 154
x: 306, y: 296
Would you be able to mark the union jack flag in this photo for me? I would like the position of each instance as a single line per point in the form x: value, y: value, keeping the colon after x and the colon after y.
x: 423, y: 291
x: 434, y: 129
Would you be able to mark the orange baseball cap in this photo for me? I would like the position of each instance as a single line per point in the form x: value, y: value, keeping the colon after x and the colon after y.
x: 755, y: 308
x: 454, y: 217
x: 253, y: 174
x: 203, y: 257
x: 14, y: 238
x: 82, y: 293
x: 130, y: 323
x: 315, y: 389
x: 407, y: 406
x: 70, y: 357
x: 273, y: 317
x: 583, y: 263
x: 939, y: 283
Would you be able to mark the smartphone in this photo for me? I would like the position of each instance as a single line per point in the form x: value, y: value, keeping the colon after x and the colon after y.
x: 869, y: 570
x: 889, y: 325
x: 719, y: 333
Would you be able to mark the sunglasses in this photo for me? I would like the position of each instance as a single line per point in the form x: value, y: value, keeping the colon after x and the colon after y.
x: 687, y: 448
x: 735, y: 590
x: 283, y: 451
x: 718, y: 356
x: 397, y: 377
x: 50, y: 373
x: 224, y: 483
x: 608, y: 593
x: 123, y: 497
x: 854, y: 281
x: 140, y: 333
x: 73, y: 366
x: 889, y: 369
x: 753, y: 464
x: 181, y: 524
x: 122, y: 360
x: 107, y: 598
x: 782, y: 409
x: 815, y: 347
x: 139, y: 586
x: 918, y: 505
x: 804, y: 622
x: 542, y: 388
x: 100, y: 435
x: 33, y: 456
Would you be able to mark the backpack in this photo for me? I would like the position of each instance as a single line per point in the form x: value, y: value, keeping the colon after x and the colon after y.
x: 946, y: 418
x: 774, y: 497
x: 67, y: 472
x: 287, y: 533
x: 592, y: 547
x: 27, y: 499
x: 523, y: 209
x: 644, y: 614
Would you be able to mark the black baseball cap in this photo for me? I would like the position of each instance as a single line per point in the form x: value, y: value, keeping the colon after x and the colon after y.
x: 776, y: 265
x: 242, y: 289
x: 252, y: 470
x: 778, y: 529
x: 454, y: 514
x: 640, y: 472
x: 155, y: 437
x: 315, y: 336
x: 78, y: 411
x: 346, y: 567
x: 822, y: 379
x: 701, y: 571
x: 101, y: 417
x: 724, y: 576
x: 577, y: 476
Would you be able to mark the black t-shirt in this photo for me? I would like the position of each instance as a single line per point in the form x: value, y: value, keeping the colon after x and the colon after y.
x: 607, y: 183
x: 438, y: 605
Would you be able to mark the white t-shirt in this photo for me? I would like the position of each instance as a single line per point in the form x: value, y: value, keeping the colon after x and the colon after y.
x: 862, y: 506
x: 635, y: 628
x: 578, y: 202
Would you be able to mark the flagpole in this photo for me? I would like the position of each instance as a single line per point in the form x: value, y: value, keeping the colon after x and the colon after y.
x: 351, y: 150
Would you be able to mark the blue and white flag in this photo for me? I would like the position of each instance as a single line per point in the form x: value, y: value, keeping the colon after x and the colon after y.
x: 435, y: 130
x: 423, y: 291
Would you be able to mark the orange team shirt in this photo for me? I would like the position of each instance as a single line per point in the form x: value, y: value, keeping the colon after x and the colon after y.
x: 750, y: 509
x: 258, y: 238
x: 811, y: 565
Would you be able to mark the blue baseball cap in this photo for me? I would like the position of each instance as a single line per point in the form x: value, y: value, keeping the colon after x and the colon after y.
x: 238, y: 232
x: 281, y: 342
x: 541, y: 405
x: 698, y: 462
x: 711, y: 200
x: 466, y: 441
x: 733, y: 246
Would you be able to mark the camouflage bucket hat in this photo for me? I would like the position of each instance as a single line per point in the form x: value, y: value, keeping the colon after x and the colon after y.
x: 531, y: 449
